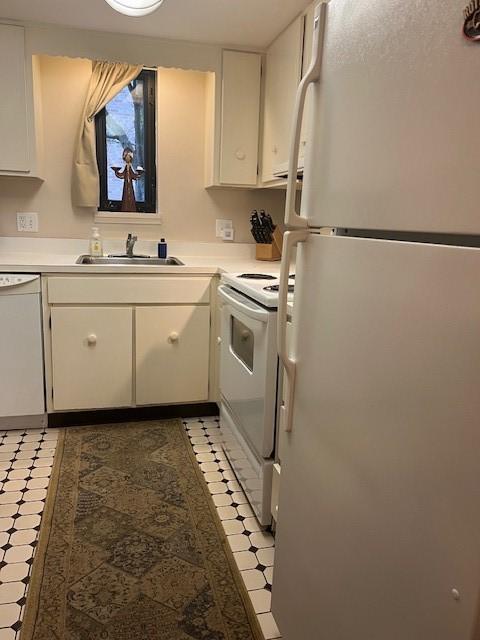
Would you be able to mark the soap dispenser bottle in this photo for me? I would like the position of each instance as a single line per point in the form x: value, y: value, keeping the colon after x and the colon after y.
x: 96, y: 248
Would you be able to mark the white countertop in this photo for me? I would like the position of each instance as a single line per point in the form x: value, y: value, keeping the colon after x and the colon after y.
x: 37, y: 255
x: 48, y: 263
x: 46, y: 256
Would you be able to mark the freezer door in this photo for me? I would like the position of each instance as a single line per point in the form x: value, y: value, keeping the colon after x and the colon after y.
x: 379, y: 517
x: 396, y: 127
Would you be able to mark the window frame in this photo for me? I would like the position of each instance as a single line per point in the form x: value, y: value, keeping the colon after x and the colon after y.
x: 149, y: 77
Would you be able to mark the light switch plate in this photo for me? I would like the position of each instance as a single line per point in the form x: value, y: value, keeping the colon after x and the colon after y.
x: 27, y: 222
x: 221, y: 225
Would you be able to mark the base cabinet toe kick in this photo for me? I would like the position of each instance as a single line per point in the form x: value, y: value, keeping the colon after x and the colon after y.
x: 127, y: 341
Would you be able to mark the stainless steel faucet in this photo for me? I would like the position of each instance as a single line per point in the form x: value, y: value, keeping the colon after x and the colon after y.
x: 130, y: 244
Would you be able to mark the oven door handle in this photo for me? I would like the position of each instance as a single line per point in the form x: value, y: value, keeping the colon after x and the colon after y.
x: 257, y: 313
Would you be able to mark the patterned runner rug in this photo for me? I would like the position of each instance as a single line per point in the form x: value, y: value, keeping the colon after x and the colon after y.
x: 131, y: 547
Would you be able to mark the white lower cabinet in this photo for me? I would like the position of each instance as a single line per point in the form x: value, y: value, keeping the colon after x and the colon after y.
x: 127, y: 341
x: 172, y: 354
x: 91, y: 357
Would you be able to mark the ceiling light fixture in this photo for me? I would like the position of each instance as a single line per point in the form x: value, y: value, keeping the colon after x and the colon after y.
x: 135, y: 8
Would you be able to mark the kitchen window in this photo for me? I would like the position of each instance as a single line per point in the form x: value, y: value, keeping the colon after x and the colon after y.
x: 128, y: 123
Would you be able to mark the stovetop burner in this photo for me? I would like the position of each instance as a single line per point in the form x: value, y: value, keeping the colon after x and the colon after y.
x: 276, y: 287
x: 256, y: 276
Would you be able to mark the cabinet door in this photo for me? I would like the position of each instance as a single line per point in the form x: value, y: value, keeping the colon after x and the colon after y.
x: 91, y: 357
x: 241, y: 78
x: 14, y: 126
x: 172, y: 354
x: 283, y: 73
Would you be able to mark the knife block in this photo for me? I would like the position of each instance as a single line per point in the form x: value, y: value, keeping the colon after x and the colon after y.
x: 271, y: 252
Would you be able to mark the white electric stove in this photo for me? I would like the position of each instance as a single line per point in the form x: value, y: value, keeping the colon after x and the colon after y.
x: 249, y: 382
x: 262, y: 287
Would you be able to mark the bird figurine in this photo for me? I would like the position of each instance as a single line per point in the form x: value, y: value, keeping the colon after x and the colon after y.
x: 128, y: 174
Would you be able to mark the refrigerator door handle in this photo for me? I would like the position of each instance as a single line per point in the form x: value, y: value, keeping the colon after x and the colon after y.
x: 292, y: 218
x: 290, y: 240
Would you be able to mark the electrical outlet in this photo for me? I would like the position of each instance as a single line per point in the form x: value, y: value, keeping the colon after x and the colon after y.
x: 27, y: 222
x: 221, y: 225
x: 228, y: 234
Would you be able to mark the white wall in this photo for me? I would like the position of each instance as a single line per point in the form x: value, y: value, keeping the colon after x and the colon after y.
x: 188, y: 210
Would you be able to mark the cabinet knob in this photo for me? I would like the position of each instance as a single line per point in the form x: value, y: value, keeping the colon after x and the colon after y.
x: 240, y: 155
x: 245, y: 335
x: 219, y: 340
x: 92, y: 340
x: 173, y: 337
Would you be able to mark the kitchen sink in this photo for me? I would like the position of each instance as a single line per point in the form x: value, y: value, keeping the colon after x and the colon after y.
x: 126, y: 260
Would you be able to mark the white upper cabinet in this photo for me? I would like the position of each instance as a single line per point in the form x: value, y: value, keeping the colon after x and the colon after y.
x: 13, y: 106
x: 232, y: 121
x: 282, y: 76
x: 17, y: 116
x: 237, y: 139
x: 240, y: 118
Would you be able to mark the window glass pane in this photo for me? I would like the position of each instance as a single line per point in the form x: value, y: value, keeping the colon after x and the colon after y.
x: 125, y: 127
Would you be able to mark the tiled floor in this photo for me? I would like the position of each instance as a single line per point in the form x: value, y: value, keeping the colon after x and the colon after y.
x: 26, y: 459
x: 253, y: 549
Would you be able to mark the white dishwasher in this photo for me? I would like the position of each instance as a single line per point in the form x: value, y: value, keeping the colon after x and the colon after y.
x: 22, y: 389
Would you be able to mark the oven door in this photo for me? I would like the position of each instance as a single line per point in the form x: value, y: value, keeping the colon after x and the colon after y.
x: 248, y: 368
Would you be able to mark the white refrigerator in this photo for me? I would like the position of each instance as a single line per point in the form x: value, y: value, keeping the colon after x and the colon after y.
x: 378, y: 532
